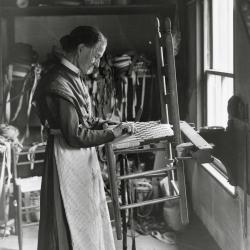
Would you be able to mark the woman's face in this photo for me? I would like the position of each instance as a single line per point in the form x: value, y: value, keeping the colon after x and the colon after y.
x: 89, y: 58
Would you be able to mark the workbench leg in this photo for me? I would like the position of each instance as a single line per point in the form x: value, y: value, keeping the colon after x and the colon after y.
x: 124, y: 201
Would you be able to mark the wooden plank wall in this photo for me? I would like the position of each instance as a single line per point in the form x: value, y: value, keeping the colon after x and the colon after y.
x: 218, y: 210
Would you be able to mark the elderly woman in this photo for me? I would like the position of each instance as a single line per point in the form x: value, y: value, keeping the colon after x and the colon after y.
x: 74, y: 212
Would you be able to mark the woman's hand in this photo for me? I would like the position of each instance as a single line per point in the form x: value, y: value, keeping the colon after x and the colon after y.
x: 123, y: 128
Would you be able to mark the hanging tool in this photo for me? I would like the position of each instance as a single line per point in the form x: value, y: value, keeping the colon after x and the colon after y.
x: 139, y: 112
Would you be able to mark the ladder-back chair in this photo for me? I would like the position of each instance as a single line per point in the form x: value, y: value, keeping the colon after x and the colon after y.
x: 27, y: 167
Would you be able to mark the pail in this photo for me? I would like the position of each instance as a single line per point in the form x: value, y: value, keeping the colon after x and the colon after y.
x: 171, y: 214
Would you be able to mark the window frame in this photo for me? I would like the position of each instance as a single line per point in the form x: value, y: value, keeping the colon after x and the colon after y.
x: 216, y: 169
x: 208, y: 53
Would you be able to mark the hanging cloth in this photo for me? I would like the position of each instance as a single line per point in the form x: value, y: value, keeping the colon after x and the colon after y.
x: 5, y: 177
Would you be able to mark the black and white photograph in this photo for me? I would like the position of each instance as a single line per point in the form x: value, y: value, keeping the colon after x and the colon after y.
x: 124, y: 125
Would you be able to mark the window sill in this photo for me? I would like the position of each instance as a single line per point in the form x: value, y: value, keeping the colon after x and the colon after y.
x: 218, y: 172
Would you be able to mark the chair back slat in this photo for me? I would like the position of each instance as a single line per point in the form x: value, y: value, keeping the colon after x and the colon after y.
x: 26, y: 167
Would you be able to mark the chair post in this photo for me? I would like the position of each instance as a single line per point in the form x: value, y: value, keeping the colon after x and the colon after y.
x: 19, y: 218
x: 114, y: 188
x: 22, y: 189
x: 17, y: 200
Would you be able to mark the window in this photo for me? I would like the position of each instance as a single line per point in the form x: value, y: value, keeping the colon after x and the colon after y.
x: 218, y: 48
x: 219, y: 74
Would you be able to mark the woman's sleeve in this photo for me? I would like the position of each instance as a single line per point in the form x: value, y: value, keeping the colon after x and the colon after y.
x: 76, y: 135
x: 97, y: 123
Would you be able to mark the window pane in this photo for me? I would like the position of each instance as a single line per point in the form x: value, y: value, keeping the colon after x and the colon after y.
x: 219, y: 90
x: 222, y: 27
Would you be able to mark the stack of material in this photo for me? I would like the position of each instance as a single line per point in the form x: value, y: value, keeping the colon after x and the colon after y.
x: 122, y: 63
x: 22, y: 57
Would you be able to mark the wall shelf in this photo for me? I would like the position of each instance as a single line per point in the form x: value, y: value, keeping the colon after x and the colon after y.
x: 160, y: 9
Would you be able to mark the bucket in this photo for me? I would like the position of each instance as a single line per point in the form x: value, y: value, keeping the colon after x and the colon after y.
x: 172, y: 216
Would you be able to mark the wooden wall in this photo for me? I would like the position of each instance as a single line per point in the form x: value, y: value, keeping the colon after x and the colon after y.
x: 217, y: 209
x: 123, y: 32
x: 194, y: 62
x: 242, y: 60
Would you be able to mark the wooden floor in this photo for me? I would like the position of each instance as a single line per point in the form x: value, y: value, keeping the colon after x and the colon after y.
x: 195, y: 237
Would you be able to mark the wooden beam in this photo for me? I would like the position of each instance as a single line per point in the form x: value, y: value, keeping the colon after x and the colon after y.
x: 194, y: 137
x: 156, y: 9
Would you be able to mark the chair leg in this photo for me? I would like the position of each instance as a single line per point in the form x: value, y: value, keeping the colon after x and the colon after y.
x: 19, y: 219
x: 26, y: 201
x: 114, y: 189
x: 123, y: 212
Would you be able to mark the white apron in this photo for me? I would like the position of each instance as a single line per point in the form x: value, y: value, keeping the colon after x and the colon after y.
x: 83, y: 196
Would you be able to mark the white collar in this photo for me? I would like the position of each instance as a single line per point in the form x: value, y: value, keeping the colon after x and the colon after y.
x: 70, y: 66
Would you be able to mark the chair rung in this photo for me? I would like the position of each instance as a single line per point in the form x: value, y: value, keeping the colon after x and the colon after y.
x: 145, y: 203
x: 36, y: 152
x: 30, y: 224
x: 156, y: 175
x: 31, y: 207
x: 145, y: 173
x: 29, y: 162
x: 138, y: 150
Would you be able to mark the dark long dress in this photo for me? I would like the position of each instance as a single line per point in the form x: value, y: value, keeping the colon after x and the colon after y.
x: 62, y: 103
